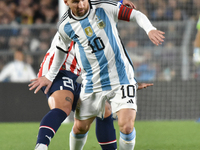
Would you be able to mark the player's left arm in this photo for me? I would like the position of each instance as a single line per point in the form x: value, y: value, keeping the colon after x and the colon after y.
x: 128, y: 14
x: 156, y: 36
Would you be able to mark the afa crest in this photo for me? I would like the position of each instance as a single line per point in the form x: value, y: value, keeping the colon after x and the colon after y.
x: 100, y: 24
x: 88, y: 31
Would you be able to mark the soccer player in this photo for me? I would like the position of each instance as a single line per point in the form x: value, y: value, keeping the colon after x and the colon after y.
x: 62, y: 98
x: 106, y: 68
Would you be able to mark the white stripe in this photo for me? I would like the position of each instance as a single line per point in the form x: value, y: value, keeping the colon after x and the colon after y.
x: 48, y: 128
x: 105, y: 143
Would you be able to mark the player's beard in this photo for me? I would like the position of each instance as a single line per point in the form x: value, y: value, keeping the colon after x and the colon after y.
x: 81, y: 12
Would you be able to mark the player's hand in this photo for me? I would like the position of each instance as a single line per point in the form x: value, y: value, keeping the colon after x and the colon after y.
x: 156, y: 36
x: 38, y: 83
x: 144, y: 85
x: 129, y: 4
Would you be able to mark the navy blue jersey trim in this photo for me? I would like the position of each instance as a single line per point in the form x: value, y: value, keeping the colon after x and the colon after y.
x: 126, y: 54
x: 66, y: 14
x: 61, y: 49
x: 104, y: 1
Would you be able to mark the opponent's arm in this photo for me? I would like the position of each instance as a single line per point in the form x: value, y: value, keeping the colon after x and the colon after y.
x: 144, y: 85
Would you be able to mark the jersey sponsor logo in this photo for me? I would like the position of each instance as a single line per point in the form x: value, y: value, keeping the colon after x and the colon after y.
x: 88, y: 31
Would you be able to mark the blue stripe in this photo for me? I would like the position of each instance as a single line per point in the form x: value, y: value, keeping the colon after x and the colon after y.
x: 100, y: 56
x: 86, y: 65
x: 128, y: 137
x: 78, y: 136
x: 123, y: 79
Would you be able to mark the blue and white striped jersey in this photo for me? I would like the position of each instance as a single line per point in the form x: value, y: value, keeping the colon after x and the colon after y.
x: 103, y: 60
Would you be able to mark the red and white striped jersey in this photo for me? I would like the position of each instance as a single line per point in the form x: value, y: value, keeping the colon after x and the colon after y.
x: 70, y: 63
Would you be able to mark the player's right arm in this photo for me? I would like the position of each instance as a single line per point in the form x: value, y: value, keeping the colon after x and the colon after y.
x: 128, y: 14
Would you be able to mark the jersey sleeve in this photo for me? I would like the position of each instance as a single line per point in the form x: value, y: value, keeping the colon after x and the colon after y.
x: 59, y: 58
x: 62, y: 43
x: 111, y: 8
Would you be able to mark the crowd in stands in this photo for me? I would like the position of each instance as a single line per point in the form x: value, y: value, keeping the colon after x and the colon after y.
x: 169, y: 9
x: 28, y: 11
x: 43, y: 12
x: 46, y: 11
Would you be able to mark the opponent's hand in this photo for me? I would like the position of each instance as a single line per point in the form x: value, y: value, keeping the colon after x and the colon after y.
x: 156, y: 36
x: 129, y: 4
x: 38, y: 83
x: 144, y: 85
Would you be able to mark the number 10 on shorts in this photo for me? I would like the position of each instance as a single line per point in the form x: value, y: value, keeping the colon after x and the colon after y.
x: 128, y: 91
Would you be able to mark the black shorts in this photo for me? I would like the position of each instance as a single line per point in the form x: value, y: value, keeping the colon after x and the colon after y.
x: 65, y: 80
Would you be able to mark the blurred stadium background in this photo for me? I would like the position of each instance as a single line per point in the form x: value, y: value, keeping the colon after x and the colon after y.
x: 29, y: 25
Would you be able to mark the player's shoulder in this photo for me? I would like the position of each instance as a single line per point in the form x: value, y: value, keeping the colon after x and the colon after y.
x: 103, y: 2
x: 63, y: 18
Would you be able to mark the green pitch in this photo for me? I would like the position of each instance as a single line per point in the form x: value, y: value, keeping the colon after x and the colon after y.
x: 151, y: 135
